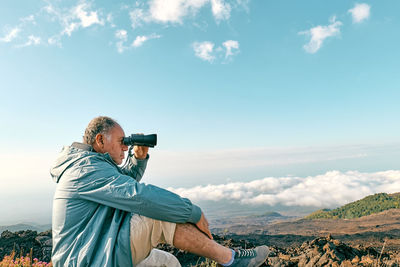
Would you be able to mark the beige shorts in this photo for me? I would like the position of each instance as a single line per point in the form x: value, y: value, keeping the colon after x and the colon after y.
x: 146, y: 234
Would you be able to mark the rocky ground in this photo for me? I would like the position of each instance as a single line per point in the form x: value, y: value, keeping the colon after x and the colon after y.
x: 321, y: 251
x: 326, y: 251
x: 22, y: 242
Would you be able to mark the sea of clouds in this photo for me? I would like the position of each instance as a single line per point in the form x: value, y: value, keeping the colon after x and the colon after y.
x: 246, y: 180
x: 329, y: 190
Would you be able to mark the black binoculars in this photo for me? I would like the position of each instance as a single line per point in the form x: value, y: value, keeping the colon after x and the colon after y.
x: 149, y: 140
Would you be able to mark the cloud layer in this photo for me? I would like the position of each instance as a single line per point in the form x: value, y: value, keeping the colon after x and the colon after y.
x: 329, y: 190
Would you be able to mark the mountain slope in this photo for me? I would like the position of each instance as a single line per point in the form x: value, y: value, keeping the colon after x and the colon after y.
x: 369, y: 205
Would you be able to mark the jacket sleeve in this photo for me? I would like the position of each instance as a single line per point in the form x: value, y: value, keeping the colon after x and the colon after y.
x: 102, y: 183
x: 136, y: 168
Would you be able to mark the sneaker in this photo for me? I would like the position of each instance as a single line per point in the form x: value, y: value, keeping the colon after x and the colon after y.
x: 250, y: 257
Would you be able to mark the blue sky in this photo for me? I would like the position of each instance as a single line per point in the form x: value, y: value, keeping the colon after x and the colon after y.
x: 308, y: 87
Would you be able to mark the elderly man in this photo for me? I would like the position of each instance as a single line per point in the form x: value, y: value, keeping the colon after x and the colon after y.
x: 104, y: 216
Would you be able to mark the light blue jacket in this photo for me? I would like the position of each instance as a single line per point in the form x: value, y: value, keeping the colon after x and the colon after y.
x: 93, y: 204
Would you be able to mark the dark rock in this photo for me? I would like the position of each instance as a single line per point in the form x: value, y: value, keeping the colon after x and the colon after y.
x: 42, y: 239
x: 25, y: 242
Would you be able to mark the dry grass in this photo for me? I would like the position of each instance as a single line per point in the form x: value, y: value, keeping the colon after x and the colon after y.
x: 21, y: 261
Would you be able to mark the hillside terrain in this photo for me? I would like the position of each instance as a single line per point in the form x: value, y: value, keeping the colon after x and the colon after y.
x: 363, y: 207
x: 345, y: 223
x: 372, y: 230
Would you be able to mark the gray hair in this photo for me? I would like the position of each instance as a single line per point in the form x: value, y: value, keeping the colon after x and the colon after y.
x: 99, y: 125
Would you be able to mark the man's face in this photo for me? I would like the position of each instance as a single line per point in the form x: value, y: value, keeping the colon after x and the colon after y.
x: 114, y: 145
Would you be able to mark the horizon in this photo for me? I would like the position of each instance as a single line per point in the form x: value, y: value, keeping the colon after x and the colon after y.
x: 254, y: 102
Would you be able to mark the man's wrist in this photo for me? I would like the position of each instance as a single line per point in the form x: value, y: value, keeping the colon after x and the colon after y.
x: 139, y: 162
x: 141, y: 158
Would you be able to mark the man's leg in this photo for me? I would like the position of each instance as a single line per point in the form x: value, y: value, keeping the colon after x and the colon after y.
x: 147, y: 233
x: 187, y: 237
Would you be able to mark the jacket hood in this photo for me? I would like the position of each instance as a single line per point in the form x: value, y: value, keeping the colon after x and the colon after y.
x: 67, y: 156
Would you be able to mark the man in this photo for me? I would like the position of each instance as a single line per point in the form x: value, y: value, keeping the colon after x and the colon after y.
x: 104, y: 216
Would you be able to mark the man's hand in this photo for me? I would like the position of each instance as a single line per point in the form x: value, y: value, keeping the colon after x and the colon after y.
x: 140, y: 151
x: 202, y: 225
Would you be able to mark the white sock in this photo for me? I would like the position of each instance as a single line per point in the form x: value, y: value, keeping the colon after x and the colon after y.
x: 229, y: 263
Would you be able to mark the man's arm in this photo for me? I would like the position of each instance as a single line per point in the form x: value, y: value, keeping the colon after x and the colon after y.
x: 103, y: 184
x: 135, y: 168
x: 137, y: 163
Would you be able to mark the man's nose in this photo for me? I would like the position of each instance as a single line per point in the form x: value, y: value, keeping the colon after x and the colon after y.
x: 124, y: 147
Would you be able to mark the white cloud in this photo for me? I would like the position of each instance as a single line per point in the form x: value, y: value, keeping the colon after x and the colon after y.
x: 220, y: 10
x: 137, y: 17
x: 360, y: 12
x: 110, y: 20
x: 69, y: 28
x: 28, y: 19
x: 32, y: 40
x: 320, y: 33
x: 140, y: 40
x: 121, y: 34
x: 79, y: 16
x: 174, y: 11
x: 330, y: 190
x: 230, y: 47
x: 244, y: 4
x: 120, y: 47
x: 87, y: 18
x: 204, y: 50
x: 82, y: 14
x: 54, y: 40
x: 11, y: 35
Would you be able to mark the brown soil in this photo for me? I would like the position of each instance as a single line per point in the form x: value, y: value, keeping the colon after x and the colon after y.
x: 370, y: 230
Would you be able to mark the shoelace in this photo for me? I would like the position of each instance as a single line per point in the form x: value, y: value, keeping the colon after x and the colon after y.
x: 241, y: 253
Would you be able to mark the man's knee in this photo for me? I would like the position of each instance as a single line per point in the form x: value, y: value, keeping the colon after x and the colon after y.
x: 147, y: 233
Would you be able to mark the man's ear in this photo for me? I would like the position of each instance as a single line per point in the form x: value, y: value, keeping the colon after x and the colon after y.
x: 99, y: 140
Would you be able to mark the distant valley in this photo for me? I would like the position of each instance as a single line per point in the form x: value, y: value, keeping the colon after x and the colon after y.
x: 382, y: 225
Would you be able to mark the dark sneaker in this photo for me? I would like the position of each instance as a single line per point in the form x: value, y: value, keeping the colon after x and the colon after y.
x: 250, y: 257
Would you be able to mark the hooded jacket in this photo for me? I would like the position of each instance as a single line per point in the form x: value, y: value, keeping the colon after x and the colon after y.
x: 94, y: 202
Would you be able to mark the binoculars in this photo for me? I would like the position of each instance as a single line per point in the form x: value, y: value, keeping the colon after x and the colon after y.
x: 149, y: 140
